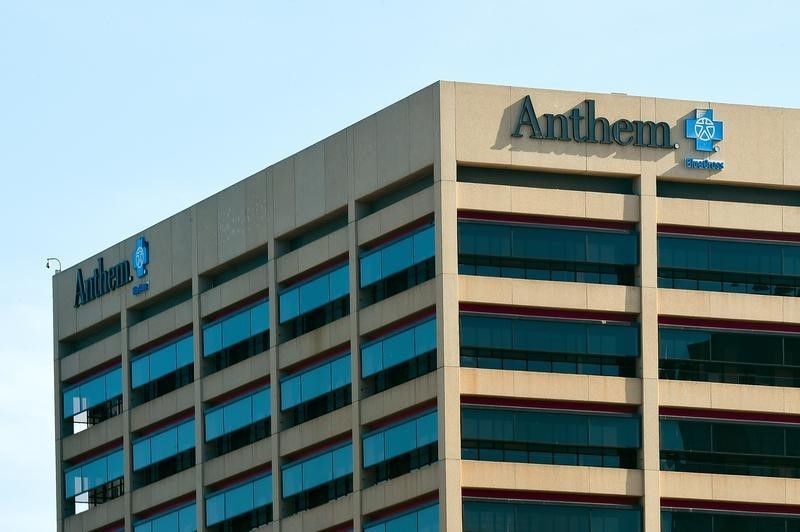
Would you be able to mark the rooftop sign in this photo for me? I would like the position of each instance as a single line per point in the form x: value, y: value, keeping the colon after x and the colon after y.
x: 585, y: 127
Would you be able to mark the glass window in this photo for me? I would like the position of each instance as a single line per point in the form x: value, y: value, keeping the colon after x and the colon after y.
x: 235, y: 328
x: 314, y: 293
x: 398, y: 347
x: 500, y: 516
x: 237, y: 413
x: 397, y: 256
x: 317, y: 470
x: 161, y: 361
x: 180, y: 520
x: 399, y: 439
x: 315, y: 382
x: 93, y: 473
x: 162, y: 445
x: 92, y: 392
x: 421, y: 519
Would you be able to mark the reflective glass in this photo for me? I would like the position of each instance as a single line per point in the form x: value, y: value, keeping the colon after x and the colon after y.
x: 428, y: 519
x: 238, y: 414
x: 215, y: 509
x: 424, y: 244
x: 370, y: 268
x: 342, y: 461
x: 340, y: 372
x: 212, y: 339
x: 401, y: 439
x: 187, y: 519
x: 141, y: 454
x: 259, y: 318
x: 73, y: 482
x: 239, y: 500
x: 185, y: 435
x: 374, y: 449
x: 339, y: 282
x: 140, y: 371
x: 261, y: 405
x: 425, y: 337
x: 163, y: 445
x: 262, y: 491
x: 113, y: 383
x: 185, y: 351
x: 398, y: 256
x: 163, y: 362
x: 235, y: 328
x: 214, y: 421
x: 315, y: 382
x: 317, y: 470
x: 398, y: 348
x: 290, y: 392
x: 292, y: 479
x: 289, y: 304
x: 314, y: 294
x: 95, y: 472
x: 371, y: 359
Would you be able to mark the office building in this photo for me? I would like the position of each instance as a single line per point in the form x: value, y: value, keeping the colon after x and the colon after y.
x: 481, y: 308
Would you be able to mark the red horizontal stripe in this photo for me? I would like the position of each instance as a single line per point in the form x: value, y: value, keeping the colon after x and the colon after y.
x: 344, y: 527
x: 398, y: 234
x: 749, y: 507
x: 404, y: 507
x: 331, y: 264
x: 96, y: 371
x: 174, y: 419
x: 164, y: 340
x: 401, y: 324
x: 540, y: 312
x: 113, y: 527
x: 545, y: 220
x: 547, y: 496
x: 727, y: 233
x: 164, y: 508
x: 398, y: 417
x: 241, y: 478
x: 318, y: 448
x: 239, y: 392
x: 728, y: 415
x: 735, y: 325
x: 319, y: 358
x: 252, y: 300
x: 108, y: 448
x: 548, y: 404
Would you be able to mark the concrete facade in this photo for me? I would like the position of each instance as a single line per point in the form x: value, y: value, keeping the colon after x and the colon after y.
x: 432, y: 132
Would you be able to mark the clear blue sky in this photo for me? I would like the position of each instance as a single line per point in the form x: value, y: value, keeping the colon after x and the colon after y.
x: 114, y: 115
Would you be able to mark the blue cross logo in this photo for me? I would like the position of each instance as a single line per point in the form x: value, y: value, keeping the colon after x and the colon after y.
x: 141, y: 257
x: 704, y: 129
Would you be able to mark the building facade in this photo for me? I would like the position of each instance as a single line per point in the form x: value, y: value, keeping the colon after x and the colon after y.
x: 481, y: 308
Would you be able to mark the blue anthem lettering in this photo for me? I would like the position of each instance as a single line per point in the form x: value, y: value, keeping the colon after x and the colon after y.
x: 588, y: 128
x: 101, y: 282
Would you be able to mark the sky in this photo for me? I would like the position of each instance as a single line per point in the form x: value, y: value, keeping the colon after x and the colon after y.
x: 115, y: 115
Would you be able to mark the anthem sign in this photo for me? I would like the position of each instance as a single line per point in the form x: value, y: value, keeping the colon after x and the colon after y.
x: 582, y: 125
x: 103, y: 281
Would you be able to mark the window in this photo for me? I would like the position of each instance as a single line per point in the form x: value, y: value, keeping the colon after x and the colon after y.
x: 399, y: 357
x: 318, y: 479
x: 694, y: 520
x: 316, y: 231
x: 93, y: 482
x: 316, y: 391
x: 501, y: 516
x: 162, y: 454
x: 236, y: 337
x: 730, y: 447
x: 557, y: 346
x: 729, y: 265
x: 718, y: 192
x: 238, y: 422
x: 519, y: 178
x: 92, y: 401
x: 315, y: 302
x: 550, y: 437
x: 425, y: 519
x: 407, y: 189
x: 180, y: 520
x: 162, y: 370
x: 242, y: 507
x: 400, y: 448
x: 738, y: 357
x: 545, y: 252
x: 397, y: 266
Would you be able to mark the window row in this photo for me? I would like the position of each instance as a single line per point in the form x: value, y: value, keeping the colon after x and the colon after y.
x: 390, y: 451
x: 481, y: 515
x: 547, y: 252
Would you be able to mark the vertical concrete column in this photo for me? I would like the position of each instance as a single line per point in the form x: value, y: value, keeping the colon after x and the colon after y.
x: 448, y: 392
x: 197, y: 385
x: 59, y: 417
x: 274, y: 380
x: 127, y: 443
x: 355, y: 343
x: 648, y: 371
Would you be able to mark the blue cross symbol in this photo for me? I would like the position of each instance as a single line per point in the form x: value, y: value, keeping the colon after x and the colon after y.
x: 704, y: 129
x: 141, y: 257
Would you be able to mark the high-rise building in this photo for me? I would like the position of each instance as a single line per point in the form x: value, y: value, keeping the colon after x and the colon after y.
x: 482, y: 308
